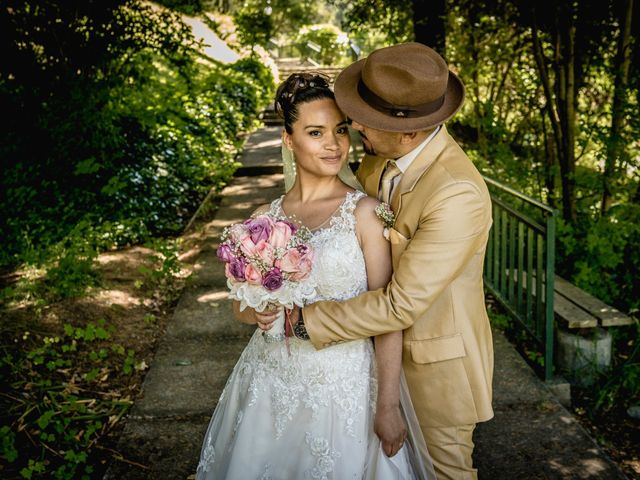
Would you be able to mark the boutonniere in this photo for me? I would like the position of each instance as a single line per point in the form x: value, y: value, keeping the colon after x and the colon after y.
x: 386, y: 216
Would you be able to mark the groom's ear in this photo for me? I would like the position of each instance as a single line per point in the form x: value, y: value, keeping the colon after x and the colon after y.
x: 407, y: 138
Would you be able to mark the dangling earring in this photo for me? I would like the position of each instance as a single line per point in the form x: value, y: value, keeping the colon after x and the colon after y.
x: 288, y: 167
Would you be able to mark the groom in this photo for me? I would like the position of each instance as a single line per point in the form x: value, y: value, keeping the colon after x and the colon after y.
x: 398, y: 99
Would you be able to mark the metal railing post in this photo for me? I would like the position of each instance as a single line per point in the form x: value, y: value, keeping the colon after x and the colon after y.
x: 550, y: 282
x: 520, y: 265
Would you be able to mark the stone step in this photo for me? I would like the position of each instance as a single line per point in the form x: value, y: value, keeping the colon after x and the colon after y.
x: 331, y: 72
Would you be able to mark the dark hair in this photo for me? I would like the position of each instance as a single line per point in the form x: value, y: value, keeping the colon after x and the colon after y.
x: 300, y: 88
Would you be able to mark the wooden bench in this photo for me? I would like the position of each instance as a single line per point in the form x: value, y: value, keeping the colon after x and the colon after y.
x: 578, y: 309
x: 583, y: 344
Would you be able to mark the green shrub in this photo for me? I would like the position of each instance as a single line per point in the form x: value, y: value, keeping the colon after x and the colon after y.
x: 601, y: 257
x: 260, y: 76
x: 333, y: 44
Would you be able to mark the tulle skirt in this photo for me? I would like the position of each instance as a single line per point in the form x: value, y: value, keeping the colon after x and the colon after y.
x: 289, y: 411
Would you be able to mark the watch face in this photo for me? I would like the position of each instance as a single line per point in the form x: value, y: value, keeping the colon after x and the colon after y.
x: 300, y: 331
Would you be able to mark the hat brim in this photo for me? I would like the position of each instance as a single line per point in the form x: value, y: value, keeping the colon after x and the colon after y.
x: 346, y: 93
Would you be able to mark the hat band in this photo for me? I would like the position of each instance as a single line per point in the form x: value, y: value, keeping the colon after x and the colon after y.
x: 400, y: 111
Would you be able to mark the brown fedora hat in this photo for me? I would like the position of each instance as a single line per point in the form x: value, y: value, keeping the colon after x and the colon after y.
x: 402, y: 88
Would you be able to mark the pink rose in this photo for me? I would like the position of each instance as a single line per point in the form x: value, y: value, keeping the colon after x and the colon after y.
x: 297, y: 264
x: 280, y: 234
x: 265, y: 252
x: 290, y: 261
x: 304, y: 269
x: 252, y: 275
x: 247, y: 246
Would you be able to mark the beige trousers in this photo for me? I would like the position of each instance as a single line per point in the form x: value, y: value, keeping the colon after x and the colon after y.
x: 450, y: 449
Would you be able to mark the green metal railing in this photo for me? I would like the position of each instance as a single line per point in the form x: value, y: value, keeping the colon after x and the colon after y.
x: 520, y: 264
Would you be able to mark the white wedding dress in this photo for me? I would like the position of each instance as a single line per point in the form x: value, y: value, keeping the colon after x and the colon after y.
x: 293, y: 412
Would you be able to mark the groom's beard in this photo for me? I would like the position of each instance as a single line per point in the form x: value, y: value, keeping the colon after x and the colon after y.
x: 366, y: 145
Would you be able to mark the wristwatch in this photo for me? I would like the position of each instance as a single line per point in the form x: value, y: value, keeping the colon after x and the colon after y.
x: 299, y: 330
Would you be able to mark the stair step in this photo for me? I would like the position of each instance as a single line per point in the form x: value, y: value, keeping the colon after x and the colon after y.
x: 331, y: 72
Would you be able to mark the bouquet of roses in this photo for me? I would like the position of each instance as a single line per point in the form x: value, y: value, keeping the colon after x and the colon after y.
x: 268, y: 262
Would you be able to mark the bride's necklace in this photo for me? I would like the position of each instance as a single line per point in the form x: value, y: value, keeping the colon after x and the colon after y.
x: 310, y: 221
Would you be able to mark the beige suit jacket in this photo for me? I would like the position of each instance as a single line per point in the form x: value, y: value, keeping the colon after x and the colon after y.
x: 443, y: 216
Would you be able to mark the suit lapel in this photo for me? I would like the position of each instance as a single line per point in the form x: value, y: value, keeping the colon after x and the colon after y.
x: 419, y: 167
x: 369, y: 174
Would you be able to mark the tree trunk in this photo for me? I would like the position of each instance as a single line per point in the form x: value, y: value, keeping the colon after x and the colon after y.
x: 479, y: 107
x: 550, y: 108
x: 615, y: 146
x: 546, y: 85
x: 567, y: 107
x: 429, y: 19
x: 561, y: 100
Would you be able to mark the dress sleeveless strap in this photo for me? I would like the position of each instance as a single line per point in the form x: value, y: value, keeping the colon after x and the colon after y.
x: 275, y: 209
x: 351, y: 201
x: 346, y: 219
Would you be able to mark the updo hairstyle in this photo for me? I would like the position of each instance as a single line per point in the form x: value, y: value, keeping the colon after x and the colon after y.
x: 297, y: 89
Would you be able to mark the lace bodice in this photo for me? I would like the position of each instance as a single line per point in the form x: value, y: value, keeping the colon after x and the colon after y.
x: 339, y: 270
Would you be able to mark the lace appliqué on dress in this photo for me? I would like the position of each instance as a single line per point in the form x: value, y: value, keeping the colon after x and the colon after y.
x: 338, y: 379
x: 207, y: 457
x: 266, y: 473
x: 324, y: 454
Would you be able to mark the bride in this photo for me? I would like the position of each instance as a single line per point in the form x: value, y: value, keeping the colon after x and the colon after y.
x: 289, y: 411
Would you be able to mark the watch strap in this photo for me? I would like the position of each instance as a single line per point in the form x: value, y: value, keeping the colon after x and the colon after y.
x: 299, y: 330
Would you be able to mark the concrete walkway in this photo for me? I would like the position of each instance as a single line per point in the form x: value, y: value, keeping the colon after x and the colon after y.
x: 531, y: 437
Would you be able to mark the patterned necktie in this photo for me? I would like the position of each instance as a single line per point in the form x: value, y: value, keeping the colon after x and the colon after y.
x: 390, y: 172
